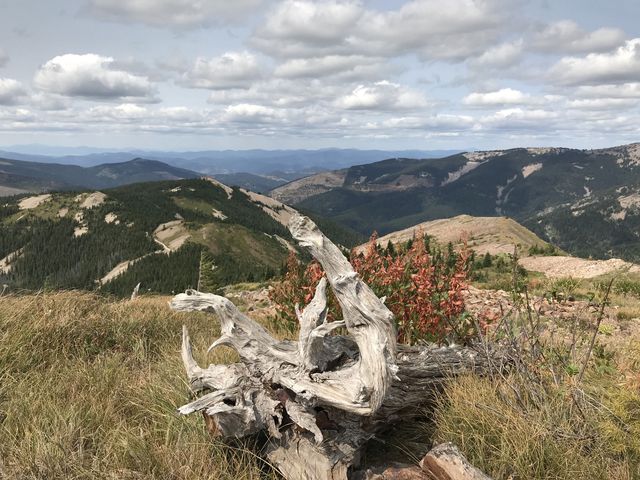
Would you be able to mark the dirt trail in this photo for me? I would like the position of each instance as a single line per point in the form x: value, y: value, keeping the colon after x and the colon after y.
x: 565, y: 266
x: 276, y: 209
x: 171, y: 235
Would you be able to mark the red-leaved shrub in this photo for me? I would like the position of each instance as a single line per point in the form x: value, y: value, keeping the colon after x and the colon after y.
x: 423, y: 287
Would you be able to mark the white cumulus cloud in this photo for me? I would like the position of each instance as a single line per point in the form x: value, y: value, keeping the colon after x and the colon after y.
x: 619, y: 66
x: 343, y: 65
x: 567, y: 37
x: 383, y: 95
x: 501, y: 56
x: 91, y: 76
x: 504, y: 96
x: 230, y: 70
x: 304, y: 28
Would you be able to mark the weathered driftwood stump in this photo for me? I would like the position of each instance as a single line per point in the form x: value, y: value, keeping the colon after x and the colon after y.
x: 319, y: 399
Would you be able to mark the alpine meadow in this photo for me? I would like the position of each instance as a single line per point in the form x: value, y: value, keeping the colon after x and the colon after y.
x: 320, y: 240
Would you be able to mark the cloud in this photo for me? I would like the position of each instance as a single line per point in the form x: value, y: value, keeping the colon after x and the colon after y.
x: 93, y: 77
x: 4, y: 58
x: 49, y: 102
x: 182, y: 14
x: 383, y: 95
x: 603, y: 103
x: 12, y: 92
x: 351, y: 66
x: 298, y: 28
x: 504, y: 96
x: 250, y: 113
x: 501, y: 56
x: 619, y: 66
x: 626, y: 90
x: 566, y: 36
x: 281, y: 92
x: 519, y: 119
x: 132, y: 117
x: 303, y: 28
x: 231, y: 70
x: 463, y: 29
x: 11, y: 118
x: 441, y: 122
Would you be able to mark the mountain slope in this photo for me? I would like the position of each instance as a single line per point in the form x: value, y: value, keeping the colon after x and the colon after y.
x: 483, y: 234
x: 38, y: 177
x: 157, y: 233
x: 538, y: 187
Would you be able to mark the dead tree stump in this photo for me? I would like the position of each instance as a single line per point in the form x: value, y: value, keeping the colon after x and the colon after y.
x: 319, y: 399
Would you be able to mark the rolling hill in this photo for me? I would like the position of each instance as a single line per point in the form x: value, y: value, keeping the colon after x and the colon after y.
x: 17, y: 176
x: 495, y: 235
x: 168, y: 235
x: 584, y: 201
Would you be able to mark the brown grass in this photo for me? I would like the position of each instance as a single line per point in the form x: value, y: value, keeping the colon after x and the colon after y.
x: 89, y: 389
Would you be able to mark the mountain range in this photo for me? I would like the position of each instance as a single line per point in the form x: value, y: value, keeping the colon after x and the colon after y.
x: 255, y: 170
x: 585, y: 201
x: 18, y: 176
x: 300, y: 162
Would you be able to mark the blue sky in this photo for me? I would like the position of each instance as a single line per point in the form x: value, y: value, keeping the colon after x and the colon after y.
x: 216, y: 74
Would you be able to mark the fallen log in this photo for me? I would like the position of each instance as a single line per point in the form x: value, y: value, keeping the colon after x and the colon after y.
x: 319, y: 399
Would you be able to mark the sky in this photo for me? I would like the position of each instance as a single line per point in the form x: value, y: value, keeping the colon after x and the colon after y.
x: 385, y: 74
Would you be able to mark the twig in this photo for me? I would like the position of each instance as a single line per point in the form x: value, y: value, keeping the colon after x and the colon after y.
x: 605, y: 299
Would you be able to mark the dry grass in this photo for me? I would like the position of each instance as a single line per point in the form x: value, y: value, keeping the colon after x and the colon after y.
x: 507, y: 440
x: 89, y: 389
x: 543, y: 420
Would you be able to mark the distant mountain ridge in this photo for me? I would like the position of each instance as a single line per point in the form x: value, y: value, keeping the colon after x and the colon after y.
x: 583, y: 201
x: 256, y: 161
x: 17, y: 176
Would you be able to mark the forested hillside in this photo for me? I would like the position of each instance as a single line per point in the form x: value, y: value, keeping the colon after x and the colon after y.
x: 167, y: 235
x: 17, y: 176
x: 584, y: 201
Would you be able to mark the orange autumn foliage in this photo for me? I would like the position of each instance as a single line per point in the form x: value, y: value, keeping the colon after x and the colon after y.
x: 423, y: 287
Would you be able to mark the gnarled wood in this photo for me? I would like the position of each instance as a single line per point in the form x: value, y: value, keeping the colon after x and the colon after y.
x: 323, y: 397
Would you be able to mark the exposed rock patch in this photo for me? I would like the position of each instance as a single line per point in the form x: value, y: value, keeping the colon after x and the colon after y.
x: 111, y: 218
x: 93, y: 200
x: 33, y: 202
x: 531, y: 168
x: 466, y: 168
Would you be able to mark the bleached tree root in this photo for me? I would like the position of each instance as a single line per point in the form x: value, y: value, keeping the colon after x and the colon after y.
x: 319, y: 399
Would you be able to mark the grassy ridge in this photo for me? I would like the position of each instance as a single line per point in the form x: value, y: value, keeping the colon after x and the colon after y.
x: 89, y: 389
